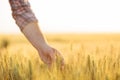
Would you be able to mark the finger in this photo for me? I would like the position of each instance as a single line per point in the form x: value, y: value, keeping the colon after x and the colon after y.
x: 60, y: 60
x: 52, y: 55
x: 59, y: 55
x: 45, y: 59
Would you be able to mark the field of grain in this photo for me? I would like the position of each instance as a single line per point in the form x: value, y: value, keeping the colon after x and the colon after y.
x: 87, y: 57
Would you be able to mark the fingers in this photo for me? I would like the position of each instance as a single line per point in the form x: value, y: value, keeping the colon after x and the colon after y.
x: 59, y: 60
x: 48, y: 57
x: 45, y: 58
x: 51, y: 57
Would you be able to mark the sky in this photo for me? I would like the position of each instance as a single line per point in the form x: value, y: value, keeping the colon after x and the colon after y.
x: 64, y: 16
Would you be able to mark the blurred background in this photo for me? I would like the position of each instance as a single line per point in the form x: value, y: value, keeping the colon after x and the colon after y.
x: 68, y: 16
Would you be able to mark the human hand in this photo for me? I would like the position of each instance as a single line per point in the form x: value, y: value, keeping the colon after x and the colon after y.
x: 50, y: 56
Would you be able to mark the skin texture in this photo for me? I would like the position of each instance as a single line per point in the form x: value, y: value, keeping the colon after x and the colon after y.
x: 48, y: 54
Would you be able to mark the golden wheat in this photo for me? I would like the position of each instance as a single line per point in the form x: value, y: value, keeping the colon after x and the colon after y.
x: 87, y: 57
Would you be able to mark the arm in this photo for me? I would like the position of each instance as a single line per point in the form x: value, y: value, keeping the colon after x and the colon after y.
x: 28, y: 24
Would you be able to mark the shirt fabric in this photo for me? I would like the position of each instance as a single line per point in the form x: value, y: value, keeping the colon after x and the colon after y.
x: 22, y: 12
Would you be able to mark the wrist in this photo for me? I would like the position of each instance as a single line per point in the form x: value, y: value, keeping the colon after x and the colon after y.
x: 43, y: 47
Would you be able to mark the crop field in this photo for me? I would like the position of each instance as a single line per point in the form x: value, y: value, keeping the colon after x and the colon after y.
x: 87, y: 57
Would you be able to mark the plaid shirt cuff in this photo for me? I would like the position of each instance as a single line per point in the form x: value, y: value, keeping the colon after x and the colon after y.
x: 22, y: 13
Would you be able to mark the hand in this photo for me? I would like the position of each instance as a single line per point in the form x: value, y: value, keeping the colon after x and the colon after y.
x: 50, y: 55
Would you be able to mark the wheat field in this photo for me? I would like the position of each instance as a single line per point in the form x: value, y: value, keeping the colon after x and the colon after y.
x: 87, y: 57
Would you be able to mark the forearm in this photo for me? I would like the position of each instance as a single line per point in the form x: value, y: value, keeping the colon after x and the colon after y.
x: 34, y: 35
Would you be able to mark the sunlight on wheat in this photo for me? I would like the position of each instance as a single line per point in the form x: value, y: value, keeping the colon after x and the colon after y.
x: 85, y: 58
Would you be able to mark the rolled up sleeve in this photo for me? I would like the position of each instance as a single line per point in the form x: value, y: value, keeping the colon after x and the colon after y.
x: 22, y: 13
